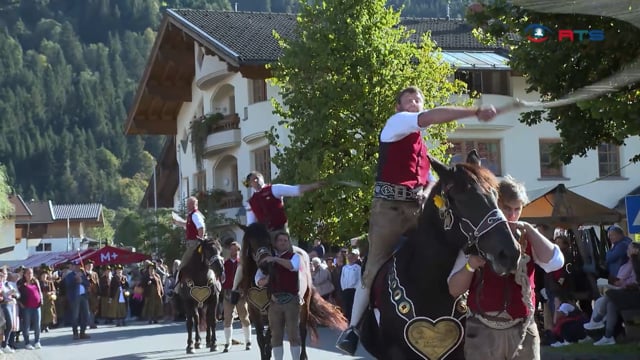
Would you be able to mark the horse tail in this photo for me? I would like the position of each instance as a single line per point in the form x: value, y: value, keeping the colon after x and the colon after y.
x: 324, y: 313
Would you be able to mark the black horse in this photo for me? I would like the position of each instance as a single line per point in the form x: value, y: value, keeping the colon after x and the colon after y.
x: 200, y: 292
x: 315, y: 310
x: 418, y: 318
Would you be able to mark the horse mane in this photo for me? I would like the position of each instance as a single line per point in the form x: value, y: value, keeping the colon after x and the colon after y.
x: 481, y: 175
x: 249, y: 266
x: 197, y: 267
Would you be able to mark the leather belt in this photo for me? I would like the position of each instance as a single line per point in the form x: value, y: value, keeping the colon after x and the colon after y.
x: 388, y: 191
x: 496, y: 322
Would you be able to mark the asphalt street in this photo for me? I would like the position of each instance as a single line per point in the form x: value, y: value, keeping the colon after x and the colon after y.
x: 138, y: 341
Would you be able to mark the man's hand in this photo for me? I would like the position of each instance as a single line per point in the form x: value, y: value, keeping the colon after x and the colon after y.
x: 486, y: 113
x: 263, y: 282
x: 476, y: 261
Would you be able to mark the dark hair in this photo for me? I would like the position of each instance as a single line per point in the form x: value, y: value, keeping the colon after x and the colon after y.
x: 408, y: 90
x: 236, y: 244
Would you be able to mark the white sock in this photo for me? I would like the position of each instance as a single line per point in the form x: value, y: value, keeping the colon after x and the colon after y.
x: 278, y: 353
x: 227, y: 335
x: 247, y: 334
x: 295, y: 352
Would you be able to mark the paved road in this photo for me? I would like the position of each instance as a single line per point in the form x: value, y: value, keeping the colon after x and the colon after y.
x: 139, y: 341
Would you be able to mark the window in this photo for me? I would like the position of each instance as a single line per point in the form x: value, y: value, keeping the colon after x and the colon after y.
x: 43, y: 247
x: 258, y: 90
x: 549, y: 168
x: 201, y: 181
x: 485, y: 82
x: 608, y: 160
x: 262, y: 160
x: 488, y: 149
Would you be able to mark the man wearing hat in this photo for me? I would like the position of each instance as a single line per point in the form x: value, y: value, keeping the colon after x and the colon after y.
x: 94, y: 289
x: 77, y: 286
x: 267, y: 207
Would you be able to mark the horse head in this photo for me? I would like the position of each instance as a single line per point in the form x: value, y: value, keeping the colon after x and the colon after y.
x: 209, y: 251
x: 466, y: 200
x: 257, y: 244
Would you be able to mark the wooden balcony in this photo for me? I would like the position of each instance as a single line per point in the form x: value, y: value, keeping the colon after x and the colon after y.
x: 230, y: 200
x: 223, y: 134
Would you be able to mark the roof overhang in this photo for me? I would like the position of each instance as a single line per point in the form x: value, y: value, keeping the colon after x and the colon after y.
x: 476, y: 60
x: 165, y: 84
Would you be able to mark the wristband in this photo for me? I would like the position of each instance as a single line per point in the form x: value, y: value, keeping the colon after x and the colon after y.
x: 469, y: 268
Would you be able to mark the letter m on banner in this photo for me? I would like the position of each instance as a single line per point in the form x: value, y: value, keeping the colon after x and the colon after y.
x: 105, y: 257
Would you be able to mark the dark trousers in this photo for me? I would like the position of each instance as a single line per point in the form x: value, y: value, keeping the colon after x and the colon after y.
x: 79, y: 313
x: 347, y: 302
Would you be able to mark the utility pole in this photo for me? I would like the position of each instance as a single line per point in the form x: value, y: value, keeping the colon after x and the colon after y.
x: 155, y: 206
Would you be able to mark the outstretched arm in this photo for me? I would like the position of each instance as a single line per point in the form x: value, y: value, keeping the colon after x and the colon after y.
x: 282, y: 190
x: 441, y: 115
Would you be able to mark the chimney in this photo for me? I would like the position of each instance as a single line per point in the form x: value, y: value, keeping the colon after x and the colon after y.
x: 448, y: 10
x: 235, y: 6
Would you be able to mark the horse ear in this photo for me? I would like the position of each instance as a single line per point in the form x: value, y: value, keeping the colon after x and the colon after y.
x: 441, y: 169
x: 473, y: 158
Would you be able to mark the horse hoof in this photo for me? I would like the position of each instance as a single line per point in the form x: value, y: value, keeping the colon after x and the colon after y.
x: 196, y: 345
x: 208, y: 344
x: 213, y: 348
x: 189, y: 350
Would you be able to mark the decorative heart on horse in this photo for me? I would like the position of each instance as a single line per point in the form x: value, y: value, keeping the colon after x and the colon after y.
x: 200, y: 294
x: 433, y: 340
x: 258, y: 297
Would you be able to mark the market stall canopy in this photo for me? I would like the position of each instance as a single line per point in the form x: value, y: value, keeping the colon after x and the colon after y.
x: 110, y: 255
x: 47, y: 258
x: 560, y: 205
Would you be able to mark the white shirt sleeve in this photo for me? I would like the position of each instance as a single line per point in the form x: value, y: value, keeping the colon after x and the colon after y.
x: 400, y: 125
x: 282, y: 190
x: 295, y: 262
x: 259, y: 276
x: 461, y: 260
x: 556, y: 262
x: 198, y: 220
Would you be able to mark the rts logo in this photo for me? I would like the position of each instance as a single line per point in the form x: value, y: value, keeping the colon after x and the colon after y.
x: 538, y: 33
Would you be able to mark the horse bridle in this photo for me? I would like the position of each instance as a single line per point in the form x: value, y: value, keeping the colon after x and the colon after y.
x: 262, y: 251
x: 472, y: 232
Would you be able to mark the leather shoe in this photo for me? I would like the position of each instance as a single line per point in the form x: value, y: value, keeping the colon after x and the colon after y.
x: 348, y: 341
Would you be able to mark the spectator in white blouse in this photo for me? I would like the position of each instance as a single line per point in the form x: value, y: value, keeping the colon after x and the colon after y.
x: 350, y: 280
x: 9, y: 293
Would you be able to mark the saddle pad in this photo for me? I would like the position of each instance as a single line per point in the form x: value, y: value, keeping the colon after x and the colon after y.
x: 258, y: 298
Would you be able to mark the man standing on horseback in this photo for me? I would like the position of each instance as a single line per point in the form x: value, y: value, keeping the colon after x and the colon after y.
x: 401, y: 185
x: 501, y: 324
x: 194, y: 230
x: 284, y: 309
x: 267, y: 207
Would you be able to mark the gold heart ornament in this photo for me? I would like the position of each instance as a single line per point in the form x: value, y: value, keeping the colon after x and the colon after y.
x: 258, y: 298
x: 200, y: 293
x: 433, y: 340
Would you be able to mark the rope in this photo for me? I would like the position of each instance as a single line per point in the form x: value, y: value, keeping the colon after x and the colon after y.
x: 522, y: 279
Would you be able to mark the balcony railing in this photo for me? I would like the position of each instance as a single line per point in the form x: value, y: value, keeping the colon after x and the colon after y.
x: 228, y: 122
x: 232, y: 199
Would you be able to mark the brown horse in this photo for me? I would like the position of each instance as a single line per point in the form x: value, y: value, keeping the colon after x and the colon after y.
x: 199, y: 292
x: 315, y: 310
x: 415, y: 317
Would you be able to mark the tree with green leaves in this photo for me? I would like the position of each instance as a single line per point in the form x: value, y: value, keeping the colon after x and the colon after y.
x: 338, y: 79
x: 6, y: 208
x: 554, y: 68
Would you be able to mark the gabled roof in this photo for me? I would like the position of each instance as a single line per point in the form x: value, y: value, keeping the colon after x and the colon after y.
x: 21, y: 208
x: 246, y: 38
x: 42, y: 212
x: 77, y: 211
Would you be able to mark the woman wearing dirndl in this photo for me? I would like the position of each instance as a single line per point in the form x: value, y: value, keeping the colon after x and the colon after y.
x: 49, y: 297
x: 152, y: 309
x: 118, y: 293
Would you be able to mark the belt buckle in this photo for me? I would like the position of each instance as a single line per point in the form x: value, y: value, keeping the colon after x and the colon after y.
x: 400, y: 192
